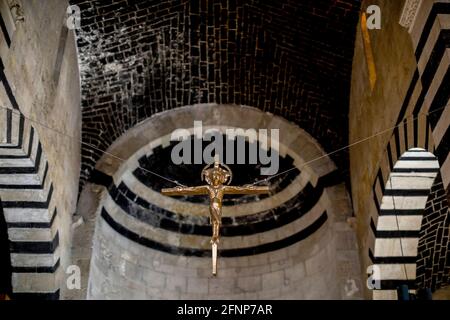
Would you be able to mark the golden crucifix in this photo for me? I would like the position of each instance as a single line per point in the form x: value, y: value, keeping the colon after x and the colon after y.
x: 216, y: 176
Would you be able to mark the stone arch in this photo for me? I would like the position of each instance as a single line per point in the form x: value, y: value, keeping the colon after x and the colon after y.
x: 396, y: 229
x: 309, y: 239
x: 29, y: 210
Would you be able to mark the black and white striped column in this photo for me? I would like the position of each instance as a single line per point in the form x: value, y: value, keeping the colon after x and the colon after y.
x: 31, y: 216
x: 399, y: 222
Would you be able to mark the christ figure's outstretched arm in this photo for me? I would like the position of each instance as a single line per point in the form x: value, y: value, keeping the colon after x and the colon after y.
x: 185, y: 191
x: 247, y: 189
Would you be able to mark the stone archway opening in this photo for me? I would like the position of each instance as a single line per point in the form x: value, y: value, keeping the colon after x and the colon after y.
x: 398, y: 227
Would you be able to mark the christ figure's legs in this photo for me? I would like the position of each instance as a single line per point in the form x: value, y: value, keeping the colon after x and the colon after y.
x: 216, y: 214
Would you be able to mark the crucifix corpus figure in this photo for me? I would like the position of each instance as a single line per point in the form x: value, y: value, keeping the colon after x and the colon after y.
x: 218, y: 178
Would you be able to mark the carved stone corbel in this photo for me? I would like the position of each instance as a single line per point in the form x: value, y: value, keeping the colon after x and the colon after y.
x: 16, y: 11
x: 409, y: 14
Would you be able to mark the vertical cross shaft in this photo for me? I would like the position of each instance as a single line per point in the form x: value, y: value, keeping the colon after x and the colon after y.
x: 214, y: 259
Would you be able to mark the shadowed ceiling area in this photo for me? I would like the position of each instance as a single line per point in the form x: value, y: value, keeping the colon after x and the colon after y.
x: 290, y: 58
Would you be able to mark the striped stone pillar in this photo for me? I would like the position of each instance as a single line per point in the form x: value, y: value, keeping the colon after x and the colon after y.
x: 30, y: 213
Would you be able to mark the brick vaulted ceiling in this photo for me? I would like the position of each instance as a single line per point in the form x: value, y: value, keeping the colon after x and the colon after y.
x: 289, y: 57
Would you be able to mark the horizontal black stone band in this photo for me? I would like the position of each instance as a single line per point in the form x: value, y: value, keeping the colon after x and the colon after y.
x: 34, y: 225
x: 237, y: 226
x: 394, y: 284
x: 30, y: 204
x: 36, y: 295
x: 18, y: 170
x: 243, y: 225
x: 401, y: 212
x: 36, y: 269
x: 390, y: 234
x: 387, y: 234
x: 392, y: 260
x: 11, y: 147
x: 417, y: 158
x: 30, y: 148
x: 230, y: 253
x: 382, y: 234
x: 280, y: 244
x: 21, y: 186
x: 35, y: 247
x: 24, y: 170
x: 28, y: 186
x: 407, y: 192
x: 412, y: 170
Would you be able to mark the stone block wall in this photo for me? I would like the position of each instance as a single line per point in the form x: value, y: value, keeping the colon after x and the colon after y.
x: 433, y: 263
